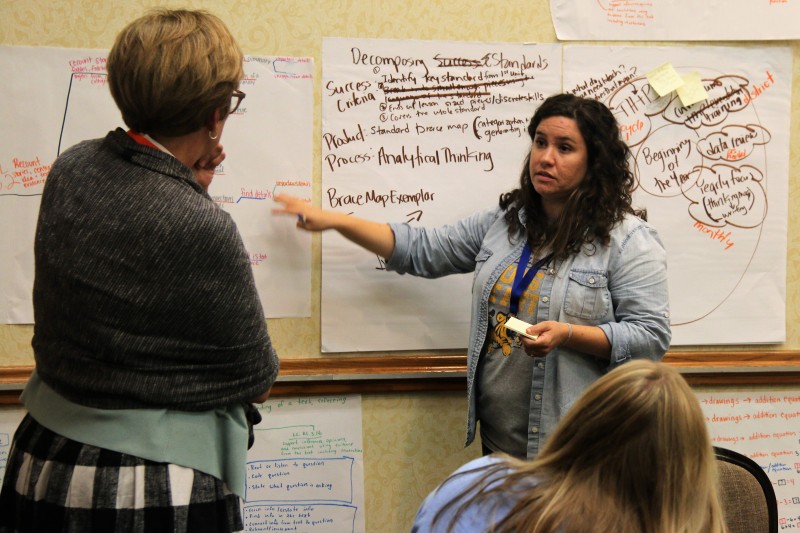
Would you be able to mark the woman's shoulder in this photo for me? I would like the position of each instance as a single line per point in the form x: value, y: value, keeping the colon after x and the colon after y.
x: 630, y: 225
x: 633, y: 221
x: 458, y: 489
x: 75, y: 158
x: 488, y: 215
x: 471, y: 472
x: 635, y: 235
x: 479, y: 465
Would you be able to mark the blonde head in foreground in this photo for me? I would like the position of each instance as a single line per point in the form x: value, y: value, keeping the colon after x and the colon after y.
x: 632, y: 455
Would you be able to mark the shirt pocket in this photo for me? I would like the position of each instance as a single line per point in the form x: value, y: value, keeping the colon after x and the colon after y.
x: 587, y: 295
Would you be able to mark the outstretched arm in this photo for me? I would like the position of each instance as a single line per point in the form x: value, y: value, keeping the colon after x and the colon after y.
x: 376, y: 237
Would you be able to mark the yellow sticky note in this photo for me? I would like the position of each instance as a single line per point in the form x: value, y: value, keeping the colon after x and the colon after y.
x: 664, y: 79
x: 692, y: 90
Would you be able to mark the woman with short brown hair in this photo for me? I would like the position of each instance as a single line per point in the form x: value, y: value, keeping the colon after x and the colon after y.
x: 150, y: 341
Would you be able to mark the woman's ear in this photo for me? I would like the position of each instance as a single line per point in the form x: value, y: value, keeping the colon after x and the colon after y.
x: 214, y: 124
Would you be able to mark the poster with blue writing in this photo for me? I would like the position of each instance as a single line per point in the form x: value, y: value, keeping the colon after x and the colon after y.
x: 424, y: 132
x: 305, y: 471
x: 713, y: 177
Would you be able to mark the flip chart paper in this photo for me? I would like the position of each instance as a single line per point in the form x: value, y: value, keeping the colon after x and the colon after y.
x: 58, y: 97
x: 424, y: 132
x: 675, y: 20
x: 713, y: 177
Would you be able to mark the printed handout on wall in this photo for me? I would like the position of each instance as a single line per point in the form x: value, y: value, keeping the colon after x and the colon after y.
x: 713, y: 177
x: 676, y: 20
x: 305, y: 470
x: 424, y: 132
x: 764, y: 426
x: 58, y: 97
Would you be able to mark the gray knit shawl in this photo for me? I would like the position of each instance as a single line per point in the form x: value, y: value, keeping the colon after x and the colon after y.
x: 144, y: 296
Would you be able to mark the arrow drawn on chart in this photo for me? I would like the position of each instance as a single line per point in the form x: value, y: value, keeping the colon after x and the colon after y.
x: 415, y: 215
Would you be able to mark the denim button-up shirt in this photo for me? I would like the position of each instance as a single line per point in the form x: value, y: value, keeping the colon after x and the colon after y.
x: 621, y: 288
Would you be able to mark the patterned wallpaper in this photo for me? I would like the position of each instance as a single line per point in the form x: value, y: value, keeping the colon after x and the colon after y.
x: 411, y: 441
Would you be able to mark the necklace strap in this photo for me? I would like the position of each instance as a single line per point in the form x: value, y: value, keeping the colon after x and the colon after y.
x: 523, y: 279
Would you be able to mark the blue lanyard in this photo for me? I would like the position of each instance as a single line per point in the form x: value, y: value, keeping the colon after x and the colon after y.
x: 522, y: 281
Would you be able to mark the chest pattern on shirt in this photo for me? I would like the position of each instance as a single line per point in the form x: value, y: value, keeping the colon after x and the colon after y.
x: 500, y: 338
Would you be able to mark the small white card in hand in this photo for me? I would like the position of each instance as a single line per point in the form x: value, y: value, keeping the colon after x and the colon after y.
x: 515, y: 324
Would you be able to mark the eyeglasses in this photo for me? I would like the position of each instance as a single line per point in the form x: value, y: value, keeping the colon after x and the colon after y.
x: 236, y: 99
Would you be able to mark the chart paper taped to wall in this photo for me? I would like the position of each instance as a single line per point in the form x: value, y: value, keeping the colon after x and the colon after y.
x: 764, y: 426
x: 713, y: 177
x: 305, y: 471
x: 58, y: 97
x: 675, y: 20
x: 425, y: 132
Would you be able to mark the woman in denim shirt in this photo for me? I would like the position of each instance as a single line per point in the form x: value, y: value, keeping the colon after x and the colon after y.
x: 593, y: 283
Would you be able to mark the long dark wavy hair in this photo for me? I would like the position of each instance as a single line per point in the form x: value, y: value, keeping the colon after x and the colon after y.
x: 599, y: 202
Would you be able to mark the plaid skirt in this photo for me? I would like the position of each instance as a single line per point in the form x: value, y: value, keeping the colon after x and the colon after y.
x: 54, y: 484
